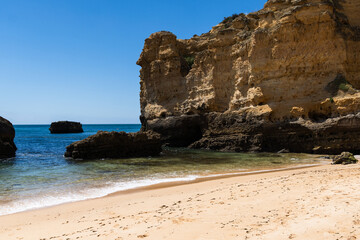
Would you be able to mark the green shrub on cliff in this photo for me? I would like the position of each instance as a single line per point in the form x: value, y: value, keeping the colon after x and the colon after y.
x: 231, y: 18
x: 339, y: 83
x: 227, y: 20
x: 344, y: 87
x: 189, y: 60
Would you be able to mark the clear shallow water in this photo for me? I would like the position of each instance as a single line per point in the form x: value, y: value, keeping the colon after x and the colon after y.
x: 40, y: 176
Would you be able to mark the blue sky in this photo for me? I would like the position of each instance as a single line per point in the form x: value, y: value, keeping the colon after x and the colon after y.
x: 76, y: 59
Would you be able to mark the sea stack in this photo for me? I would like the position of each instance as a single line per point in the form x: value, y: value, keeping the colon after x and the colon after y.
x: 7, y: 135
x: 285, y: 77
x: 66, y: 127
x: 115, y: 145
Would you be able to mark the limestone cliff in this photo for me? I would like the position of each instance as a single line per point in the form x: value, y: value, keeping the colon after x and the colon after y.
x: 286, y: 75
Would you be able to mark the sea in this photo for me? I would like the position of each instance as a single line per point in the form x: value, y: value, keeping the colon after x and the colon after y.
x: 40, y: 176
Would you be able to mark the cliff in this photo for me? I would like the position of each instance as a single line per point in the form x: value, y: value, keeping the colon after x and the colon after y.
x: 286, y: 76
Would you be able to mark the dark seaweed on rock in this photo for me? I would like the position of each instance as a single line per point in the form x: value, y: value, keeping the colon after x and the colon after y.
x: 344, y: 158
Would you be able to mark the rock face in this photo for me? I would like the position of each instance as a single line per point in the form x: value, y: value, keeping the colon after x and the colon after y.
x: 66, y: 127
x: 285, y: 77
x: 345, y: 158
x: 7, y: 135
x: 115, y: 145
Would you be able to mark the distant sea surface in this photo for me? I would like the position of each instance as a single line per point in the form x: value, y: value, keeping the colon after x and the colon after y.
x: 40, y: 176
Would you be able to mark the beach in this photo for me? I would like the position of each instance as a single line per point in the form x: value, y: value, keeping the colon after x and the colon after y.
x: 319, y: 202
x: 214, y: 127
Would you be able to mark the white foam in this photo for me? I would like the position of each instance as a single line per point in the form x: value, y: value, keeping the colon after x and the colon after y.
x: 59, y: 198
x: 55, y: 199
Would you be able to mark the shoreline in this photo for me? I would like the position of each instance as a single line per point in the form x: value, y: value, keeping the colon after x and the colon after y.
x: 319, y: 202
x: 206, y: 178
x: 173, y: 183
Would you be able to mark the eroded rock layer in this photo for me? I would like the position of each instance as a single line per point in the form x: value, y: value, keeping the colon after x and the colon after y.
x: 286, y: 76
x: 7, y: 135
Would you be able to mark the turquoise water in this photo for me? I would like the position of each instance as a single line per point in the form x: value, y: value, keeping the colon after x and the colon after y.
x: 40, y: 176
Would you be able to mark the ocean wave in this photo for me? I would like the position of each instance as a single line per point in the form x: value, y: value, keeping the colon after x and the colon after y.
x: 61, y: 198
x: 112, y: 187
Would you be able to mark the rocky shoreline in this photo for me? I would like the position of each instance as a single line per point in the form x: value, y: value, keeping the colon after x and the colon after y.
x: 285, y: 78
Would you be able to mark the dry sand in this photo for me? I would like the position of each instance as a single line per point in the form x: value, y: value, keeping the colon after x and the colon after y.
x: 314, y: 203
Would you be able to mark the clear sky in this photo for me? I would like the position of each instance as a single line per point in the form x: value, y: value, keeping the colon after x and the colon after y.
x: 76, y: 59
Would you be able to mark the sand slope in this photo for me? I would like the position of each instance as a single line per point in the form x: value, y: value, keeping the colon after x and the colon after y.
x: 314, y: 203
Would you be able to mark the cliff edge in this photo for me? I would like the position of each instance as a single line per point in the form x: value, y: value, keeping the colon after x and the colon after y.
x: 285, y: 77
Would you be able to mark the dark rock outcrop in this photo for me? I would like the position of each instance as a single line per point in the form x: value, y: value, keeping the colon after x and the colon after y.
x: 233, y: 132
x: 244, y: 132
x: 178, y: 131
x: 115, y: 145
x: 66, y: 127
x: 7, y: 135
x: 345, y: 158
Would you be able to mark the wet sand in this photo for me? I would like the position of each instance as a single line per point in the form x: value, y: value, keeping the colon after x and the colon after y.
x: 313, y: 203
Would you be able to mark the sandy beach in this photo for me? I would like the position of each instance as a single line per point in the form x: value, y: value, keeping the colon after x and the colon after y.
x: 314, y: 203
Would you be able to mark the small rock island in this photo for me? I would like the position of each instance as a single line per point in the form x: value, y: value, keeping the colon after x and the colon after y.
x: 66, y: 127
x: 7, y: 135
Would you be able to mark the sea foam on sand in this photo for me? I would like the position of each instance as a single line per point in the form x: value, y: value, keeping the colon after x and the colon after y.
x: 73, y: 195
